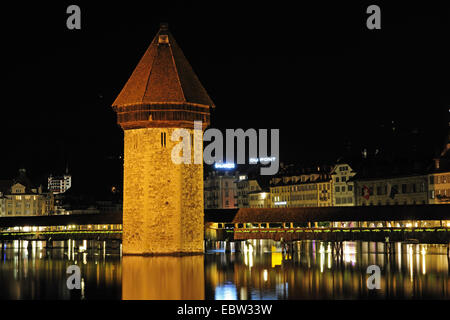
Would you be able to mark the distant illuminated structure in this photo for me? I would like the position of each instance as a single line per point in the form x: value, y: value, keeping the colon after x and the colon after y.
x: 163, y: 201
x: 19, y: 197
x: 59, y: 184
x: 220, y: 190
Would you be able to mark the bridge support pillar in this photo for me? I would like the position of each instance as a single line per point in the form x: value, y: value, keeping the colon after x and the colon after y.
x: 227, y: 246
x: 238, y: 246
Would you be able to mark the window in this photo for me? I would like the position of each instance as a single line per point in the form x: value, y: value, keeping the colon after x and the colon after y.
x: 337, y: 179
x: 350, y: 188
x: 343, y: 179
x: 342, y: 189
x: 422, y: 187
x: 379, y: 190
x: 163, y: 139
x: 337, y: 189
x: 403, y: 188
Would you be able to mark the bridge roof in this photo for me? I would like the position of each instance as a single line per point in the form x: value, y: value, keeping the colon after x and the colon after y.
x: 368, y: 213
x: 62, y: 220
x: 163, y: 75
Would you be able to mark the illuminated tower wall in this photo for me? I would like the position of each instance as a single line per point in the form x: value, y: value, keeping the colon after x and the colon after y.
x: 163, y: 201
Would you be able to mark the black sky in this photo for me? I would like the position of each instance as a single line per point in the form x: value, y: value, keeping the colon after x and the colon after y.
x: 313, y: 70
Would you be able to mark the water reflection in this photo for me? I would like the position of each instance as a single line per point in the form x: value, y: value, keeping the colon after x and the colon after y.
x: 34, y: 271
x: 257, y: 269
x: 163, y: 278
x: 314, y: 271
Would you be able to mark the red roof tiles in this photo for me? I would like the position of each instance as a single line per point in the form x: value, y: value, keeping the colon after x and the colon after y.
x: 163, y: 75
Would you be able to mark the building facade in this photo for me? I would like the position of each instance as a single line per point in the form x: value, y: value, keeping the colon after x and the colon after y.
x: 404, y: 190
x: 305, y: 190
x: 220, y: 191
x: 259, y: 199
x: 59, y: 184
x: 19, y: 198
x: 244, y: 187
x: 439, y: 188
x: 343, y: 185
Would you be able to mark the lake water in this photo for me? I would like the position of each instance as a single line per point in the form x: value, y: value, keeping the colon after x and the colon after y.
x: 260, y: 271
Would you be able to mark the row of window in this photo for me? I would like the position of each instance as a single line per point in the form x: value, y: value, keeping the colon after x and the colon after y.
x: 344, y: 200
x: 19, y: 212
x: 387, y: 203
x: 404, y: 188
x: 305, y: 187
x: 308, y: 196
x: 342, y: 189
x: 440, y: 179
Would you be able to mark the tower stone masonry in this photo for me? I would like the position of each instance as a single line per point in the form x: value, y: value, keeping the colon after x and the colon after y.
x: 163, y: 201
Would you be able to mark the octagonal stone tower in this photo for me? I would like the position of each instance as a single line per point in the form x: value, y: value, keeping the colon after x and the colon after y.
x: 163, y: 201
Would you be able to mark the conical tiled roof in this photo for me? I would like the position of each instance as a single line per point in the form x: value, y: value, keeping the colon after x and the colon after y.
x: 163, y: 75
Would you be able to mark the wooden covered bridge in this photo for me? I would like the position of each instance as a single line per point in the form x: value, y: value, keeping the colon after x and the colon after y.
x: 423, y: 223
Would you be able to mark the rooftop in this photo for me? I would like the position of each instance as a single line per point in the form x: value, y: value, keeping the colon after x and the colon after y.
x: 163, y: 75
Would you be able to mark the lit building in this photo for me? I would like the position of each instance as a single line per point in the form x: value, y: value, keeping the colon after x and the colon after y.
x: 303, y: 190
x: 439, y: 188
x: 220, y: 191
x: 259, y: 199
x: 324, y: 191
x: 244, y: 187
x: 401, y: 190
x: 20, y: 198
x: 59, y: 184
x: 439, y: 178
x: 343, y: 185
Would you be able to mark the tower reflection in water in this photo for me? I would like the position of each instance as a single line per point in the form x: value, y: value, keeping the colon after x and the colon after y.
x: 163, y: 278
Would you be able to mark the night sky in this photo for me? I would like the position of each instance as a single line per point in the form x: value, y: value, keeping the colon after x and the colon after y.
x: 313, y: 71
